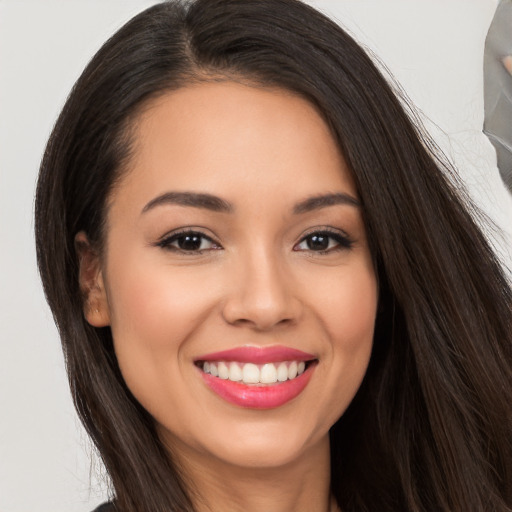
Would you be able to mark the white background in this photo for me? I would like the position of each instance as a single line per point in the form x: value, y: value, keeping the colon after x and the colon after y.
x: 434, y: 48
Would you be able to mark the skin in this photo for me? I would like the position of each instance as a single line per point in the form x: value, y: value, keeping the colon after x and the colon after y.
x: 257, y: 283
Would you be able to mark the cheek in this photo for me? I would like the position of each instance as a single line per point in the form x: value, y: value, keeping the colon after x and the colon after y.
x: 347, y: 309
x: 353, y: 324
x: 354, y: 319
x: 154, y: 310
x: 152, y: 302
x: 347, y: 305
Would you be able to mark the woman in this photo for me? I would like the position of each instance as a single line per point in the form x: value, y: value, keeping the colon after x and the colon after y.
x: 269, y: 293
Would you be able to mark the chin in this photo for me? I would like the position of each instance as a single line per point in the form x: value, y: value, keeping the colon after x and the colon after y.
x: 265, y: 453
x: 260, y: 445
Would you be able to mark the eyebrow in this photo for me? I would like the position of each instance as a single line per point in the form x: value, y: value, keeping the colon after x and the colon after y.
x: 216, y: 204
x: 193, y: 199
x: 323, y: 201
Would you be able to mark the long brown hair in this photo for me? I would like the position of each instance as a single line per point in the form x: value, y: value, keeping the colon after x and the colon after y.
x: 431, y: 426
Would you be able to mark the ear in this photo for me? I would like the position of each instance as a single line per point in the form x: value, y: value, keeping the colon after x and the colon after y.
x: 92, y: 286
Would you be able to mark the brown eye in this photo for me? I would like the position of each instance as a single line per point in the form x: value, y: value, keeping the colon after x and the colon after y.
x: 323, y: 241
x: 318, y: 242
x: 190, y: 241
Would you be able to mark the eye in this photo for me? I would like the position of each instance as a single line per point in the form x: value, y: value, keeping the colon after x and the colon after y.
x: 188, y: 241
x: 323, y: 242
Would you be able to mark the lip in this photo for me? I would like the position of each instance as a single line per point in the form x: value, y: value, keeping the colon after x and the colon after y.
x: 258, y: 355
x: 258, y: 396
x: 254, y: 396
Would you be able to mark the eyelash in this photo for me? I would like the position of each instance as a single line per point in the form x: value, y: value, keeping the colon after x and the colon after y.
x: 343, y: 242
x: 166, y: 242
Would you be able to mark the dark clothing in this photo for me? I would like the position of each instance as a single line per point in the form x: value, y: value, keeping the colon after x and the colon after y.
x: 106, y: 507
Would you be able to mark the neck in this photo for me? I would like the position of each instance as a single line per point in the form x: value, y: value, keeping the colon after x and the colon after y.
x: 302, y: 484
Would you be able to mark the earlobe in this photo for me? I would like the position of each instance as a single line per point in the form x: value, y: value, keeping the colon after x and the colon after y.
x: 92, y: 286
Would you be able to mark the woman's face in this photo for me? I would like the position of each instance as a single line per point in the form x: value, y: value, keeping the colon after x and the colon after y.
x: 236, y: 239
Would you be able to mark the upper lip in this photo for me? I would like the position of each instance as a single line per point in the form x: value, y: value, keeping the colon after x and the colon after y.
x: 258, y: 355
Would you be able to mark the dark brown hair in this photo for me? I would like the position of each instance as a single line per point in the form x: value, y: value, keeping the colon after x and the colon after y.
x: 431, y: 427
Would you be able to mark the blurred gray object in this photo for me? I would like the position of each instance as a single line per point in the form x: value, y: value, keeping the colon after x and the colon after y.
x: 498, y: 88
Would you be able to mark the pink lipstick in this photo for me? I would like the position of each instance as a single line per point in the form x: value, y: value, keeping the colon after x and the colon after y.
x: 258, y: 355
x: 257, y: 377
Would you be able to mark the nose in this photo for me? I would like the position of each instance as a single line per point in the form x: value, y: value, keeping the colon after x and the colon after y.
x: 263, y: 294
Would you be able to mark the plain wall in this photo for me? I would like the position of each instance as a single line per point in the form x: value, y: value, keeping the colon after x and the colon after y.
x: 434, y: 48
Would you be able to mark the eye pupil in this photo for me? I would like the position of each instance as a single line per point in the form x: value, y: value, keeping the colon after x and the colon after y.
x: 318, y: 242
x: 189, y: 242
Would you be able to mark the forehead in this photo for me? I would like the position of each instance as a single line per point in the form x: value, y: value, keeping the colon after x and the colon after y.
x: 227, y: 138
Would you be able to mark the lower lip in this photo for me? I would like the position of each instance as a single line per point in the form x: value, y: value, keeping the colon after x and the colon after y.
x: 266, y: 396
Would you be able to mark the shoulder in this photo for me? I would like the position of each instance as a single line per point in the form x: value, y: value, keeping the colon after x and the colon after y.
x: 106, y: 507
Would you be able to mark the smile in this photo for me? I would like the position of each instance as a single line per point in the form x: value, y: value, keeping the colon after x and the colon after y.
x: 250, y: 373
x: 258, y: 378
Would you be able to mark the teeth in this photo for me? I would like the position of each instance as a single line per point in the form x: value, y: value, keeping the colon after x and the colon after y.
x: 223, y: 371
x: 268, y: 374
x: 292, y: 370
x: 282, y: 372
x: 235, y: 372
x: 250, y: 373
